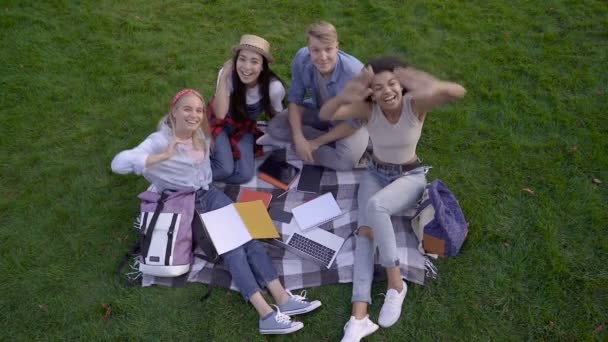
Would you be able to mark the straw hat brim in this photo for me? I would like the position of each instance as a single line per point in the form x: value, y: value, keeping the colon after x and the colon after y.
x: 267, y: 55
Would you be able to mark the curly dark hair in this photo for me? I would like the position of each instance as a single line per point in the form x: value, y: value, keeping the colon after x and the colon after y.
x: 387, y: 63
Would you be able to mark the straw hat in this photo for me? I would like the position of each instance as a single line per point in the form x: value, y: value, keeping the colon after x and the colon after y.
x: 256, y: 44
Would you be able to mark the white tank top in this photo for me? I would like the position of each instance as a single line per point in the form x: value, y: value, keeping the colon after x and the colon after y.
x: 395, y: 143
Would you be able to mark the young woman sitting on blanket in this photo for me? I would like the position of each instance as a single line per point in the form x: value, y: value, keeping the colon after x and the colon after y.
x: 246, y: 87
x: 176, y: 157
x: 401, y: 97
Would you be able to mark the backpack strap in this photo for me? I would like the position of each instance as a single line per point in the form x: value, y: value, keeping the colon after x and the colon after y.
x: 200, y: 237
x: 147, y: 238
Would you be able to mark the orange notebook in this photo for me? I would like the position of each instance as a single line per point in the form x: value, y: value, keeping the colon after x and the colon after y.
x: 248, y: 195
x: 271, y: 180
x: 276, y: 171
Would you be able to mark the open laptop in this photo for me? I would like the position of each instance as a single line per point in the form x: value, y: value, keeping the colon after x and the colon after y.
x: 316, y: 245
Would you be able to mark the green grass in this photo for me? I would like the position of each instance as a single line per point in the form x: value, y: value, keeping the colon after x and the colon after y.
x: 82, y: 80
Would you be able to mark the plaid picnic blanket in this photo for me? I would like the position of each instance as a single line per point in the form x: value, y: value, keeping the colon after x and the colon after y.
x: 297, y: 273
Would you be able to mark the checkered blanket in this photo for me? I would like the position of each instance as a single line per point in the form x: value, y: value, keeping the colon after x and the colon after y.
x: 296, y: 273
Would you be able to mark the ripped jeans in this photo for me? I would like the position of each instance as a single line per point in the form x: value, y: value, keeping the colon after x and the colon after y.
x: 382, y: 193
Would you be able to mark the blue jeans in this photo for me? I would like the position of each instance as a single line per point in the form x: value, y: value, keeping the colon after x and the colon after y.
x: 250, y: 266
x: 381, y: 194
x: 224, y: 167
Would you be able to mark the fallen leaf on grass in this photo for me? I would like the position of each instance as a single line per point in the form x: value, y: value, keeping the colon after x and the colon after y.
x: 44, y: 308
x: 580, y: 123
x: 108, y: 311
x: 596, y: 181
x: 528, y: 190
x: 573, y: 148
x: 599, y: 328
x: 506, y: 244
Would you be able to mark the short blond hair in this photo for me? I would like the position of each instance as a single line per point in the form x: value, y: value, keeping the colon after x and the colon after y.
x: 323, y: 31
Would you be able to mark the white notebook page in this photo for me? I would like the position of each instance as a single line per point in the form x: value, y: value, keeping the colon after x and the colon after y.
x: 226, y: 228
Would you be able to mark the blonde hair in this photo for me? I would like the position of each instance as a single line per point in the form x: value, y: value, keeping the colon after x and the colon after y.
x: 323, y: 31
x: 200, y: 136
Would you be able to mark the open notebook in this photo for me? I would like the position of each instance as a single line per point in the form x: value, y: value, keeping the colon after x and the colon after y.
x: 316, y: 211
x: 238, y: 223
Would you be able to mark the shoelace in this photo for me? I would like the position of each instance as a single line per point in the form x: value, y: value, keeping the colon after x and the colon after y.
x: 391, y: 299
x: 281, y: 317
x: 301, y: 298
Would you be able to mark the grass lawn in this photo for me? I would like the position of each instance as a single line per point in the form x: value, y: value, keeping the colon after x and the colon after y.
x: 82, y: 80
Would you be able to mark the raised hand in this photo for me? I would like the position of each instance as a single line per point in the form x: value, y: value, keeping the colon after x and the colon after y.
x: 170, y: 151
x: 167, y: 154
x: 416, y: 81
x: 427, y: 91
x: 227, y: 69
x: 358, y: 88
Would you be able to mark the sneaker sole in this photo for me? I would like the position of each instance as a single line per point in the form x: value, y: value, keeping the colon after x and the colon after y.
x: 313, y: 305
x: 375, y: 327
x: 390, y: 324
x: 289, y: 330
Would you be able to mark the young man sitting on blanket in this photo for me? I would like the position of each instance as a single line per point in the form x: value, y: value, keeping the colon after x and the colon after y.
x: 319, y: 73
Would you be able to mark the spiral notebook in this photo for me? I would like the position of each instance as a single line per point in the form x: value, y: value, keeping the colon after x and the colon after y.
x: 317, y: 211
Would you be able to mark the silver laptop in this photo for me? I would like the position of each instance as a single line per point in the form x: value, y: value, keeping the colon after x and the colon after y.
x: 316, y: 245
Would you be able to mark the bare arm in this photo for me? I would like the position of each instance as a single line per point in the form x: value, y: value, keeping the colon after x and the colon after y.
x: 427, y: 91
x: 304, y: 148
x: 339, y: 108
x: 344, y: 129
x: 221, y: 101
x: 295, y: 112
x: 350, y: 103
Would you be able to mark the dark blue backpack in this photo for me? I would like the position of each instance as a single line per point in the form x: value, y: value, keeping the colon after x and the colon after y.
x: 439, y: 222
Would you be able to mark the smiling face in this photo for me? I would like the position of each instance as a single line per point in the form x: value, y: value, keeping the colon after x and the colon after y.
x: 188, y: 114
x: 387, y: 91
x: 249, y: 65
x: 324, y: 55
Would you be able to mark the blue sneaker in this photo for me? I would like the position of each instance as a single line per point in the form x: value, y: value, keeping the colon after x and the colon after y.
x: 297, y: 304
x: 278, y: 323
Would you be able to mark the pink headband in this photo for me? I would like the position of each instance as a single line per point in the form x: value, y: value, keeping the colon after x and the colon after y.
x: 183, y: 93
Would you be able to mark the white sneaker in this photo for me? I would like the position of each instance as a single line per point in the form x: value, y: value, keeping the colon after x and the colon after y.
x: 356, y: 329
x: 391, y: 309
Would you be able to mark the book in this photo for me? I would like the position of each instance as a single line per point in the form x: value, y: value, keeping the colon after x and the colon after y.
x: 310, y: 179
x: 236, y: 224
x: 276, y: 171
x: 316, y: 211
x: 248, y: 195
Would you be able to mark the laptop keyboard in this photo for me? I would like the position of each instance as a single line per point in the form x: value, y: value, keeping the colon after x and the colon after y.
x: 311, y: 248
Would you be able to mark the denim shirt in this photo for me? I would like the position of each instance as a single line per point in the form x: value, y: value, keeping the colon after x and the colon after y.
x: 303, y: 90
